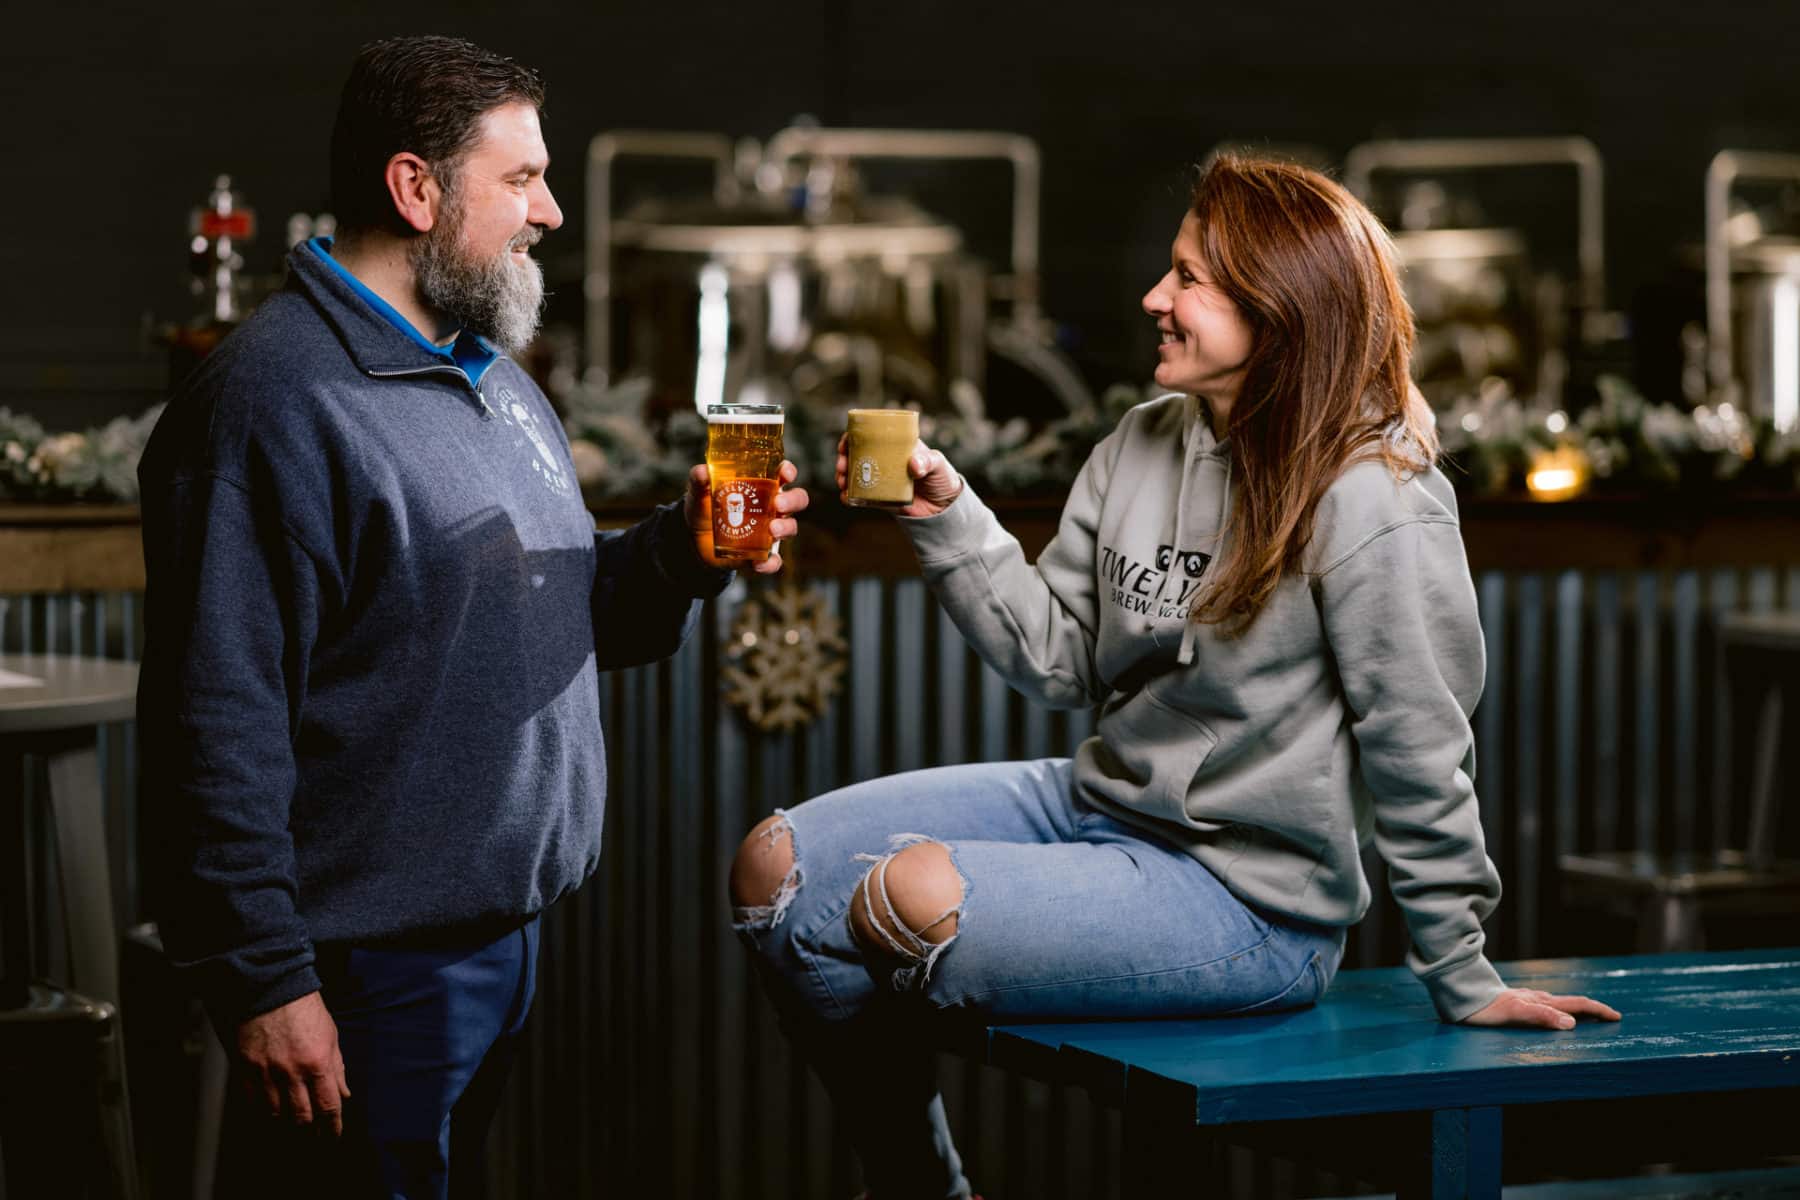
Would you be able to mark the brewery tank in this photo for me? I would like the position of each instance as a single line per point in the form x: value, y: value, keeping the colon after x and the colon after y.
x: 1482, y: 307
x: 1752, y: 293
x: 790, y: 283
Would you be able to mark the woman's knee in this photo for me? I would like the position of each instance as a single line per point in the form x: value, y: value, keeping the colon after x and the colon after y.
x: 909, y: 903
x: 765, y: 873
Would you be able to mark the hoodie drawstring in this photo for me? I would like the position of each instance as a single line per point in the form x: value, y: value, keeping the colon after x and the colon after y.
x: 1191, y: 441
x: 1190, y: 625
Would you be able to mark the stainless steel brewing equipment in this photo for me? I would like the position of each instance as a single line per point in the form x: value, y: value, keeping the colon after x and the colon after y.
x: 1481, y: 307
x: 1752, y: 294
x: 790, y: 283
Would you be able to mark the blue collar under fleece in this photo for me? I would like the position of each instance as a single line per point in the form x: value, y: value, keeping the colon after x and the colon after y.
x: 470, y: 353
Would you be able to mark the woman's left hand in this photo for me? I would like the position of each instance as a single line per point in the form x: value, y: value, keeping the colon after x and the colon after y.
x: 1539, y: 1010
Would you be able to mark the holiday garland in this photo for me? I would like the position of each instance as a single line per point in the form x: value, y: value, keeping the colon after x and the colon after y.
x: 95, y: 465
x: 1620, y: 442
x: 1492, y: 441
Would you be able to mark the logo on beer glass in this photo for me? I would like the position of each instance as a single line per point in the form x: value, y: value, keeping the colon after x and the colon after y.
x: 867, y: 473
x: 740, y: 504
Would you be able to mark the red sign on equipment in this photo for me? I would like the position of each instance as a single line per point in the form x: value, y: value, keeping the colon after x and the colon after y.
x: 240, y: 224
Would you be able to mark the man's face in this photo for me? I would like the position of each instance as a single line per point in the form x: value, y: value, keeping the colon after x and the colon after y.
x: 475, y: 263
x: 502, y: 187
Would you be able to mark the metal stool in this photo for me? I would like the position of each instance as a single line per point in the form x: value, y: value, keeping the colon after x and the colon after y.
x: 1668, y: 893
x: 50, y: 1035
x: 174, y: 1040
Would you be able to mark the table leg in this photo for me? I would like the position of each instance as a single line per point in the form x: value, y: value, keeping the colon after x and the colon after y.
x: 76, y: 807
x: 1455, y: 1156
x: 15, y: 887
x: 1669, y: 925
x: 1761, y: 840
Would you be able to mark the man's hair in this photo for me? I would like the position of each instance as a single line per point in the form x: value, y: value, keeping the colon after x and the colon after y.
x: 423, y: 95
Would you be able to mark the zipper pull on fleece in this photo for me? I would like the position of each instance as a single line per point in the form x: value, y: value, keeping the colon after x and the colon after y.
x: 487, y: 413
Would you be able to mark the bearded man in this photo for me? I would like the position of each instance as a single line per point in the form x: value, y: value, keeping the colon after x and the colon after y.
x: 376, y: 610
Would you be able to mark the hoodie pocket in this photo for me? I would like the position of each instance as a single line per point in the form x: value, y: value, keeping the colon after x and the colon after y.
x: 1158, y: 750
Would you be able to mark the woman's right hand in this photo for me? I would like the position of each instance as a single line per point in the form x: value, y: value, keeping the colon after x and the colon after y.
x: 935, y: 482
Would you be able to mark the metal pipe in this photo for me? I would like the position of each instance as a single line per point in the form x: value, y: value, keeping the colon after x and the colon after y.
x: 603, y: 152
x: 1726, y: 168
x: 1469, y: 153
x: 1046, y: 362
x: 1020, y: 151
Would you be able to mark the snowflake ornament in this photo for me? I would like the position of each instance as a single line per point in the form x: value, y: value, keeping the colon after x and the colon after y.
x: 785, y: 658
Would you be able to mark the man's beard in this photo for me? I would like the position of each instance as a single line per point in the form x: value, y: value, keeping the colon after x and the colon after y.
x: 500, y: 298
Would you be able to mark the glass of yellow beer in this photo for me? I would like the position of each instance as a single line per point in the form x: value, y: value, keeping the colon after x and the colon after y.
x: 743, y: 452
x: 879, y: 443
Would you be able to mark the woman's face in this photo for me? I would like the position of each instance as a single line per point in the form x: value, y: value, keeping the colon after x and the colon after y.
x: 1205, y: 339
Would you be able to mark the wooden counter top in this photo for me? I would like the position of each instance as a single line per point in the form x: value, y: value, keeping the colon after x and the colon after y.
x: 1661, y: 531
x: 96, y: 547
x: 70, y: 548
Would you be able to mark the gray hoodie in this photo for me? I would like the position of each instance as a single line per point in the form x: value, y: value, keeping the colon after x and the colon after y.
x: 1341, y: 713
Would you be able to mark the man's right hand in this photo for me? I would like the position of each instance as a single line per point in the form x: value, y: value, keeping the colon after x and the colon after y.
x: 291, y: 1065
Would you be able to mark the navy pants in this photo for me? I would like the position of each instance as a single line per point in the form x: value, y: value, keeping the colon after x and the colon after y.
x: 428, y: 1033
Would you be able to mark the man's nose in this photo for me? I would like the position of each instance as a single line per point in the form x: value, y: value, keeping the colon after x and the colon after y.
x: 544, y: 210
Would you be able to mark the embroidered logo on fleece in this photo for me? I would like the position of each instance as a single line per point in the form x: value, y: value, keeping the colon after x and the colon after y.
x: 1138, y: 587
x: 547, y: 465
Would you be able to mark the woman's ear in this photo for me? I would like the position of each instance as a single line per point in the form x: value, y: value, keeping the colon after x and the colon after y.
x: 415, y: 191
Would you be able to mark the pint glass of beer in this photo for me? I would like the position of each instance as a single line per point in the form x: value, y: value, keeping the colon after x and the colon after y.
x: 879, y: 443
x: 743, y: 452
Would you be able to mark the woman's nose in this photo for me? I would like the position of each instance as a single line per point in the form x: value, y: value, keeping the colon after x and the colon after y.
x: 1156, y: 300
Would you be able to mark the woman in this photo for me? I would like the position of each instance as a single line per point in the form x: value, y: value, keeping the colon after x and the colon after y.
x: 1261, y: 582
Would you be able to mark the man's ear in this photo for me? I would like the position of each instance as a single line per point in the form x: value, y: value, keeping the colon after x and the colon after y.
x: 414, y: 190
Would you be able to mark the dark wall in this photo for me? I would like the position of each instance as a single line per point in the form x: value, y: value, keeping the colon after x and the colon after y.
x: 119, y: 116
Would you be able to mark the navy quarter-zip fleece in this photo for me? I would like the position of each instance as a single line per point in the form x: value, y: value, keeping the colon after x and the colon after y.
x: 375, y: 611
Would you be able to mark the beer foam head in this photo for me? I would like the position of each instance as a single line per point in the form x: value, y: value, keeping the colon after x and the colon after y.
x: 748, y: 414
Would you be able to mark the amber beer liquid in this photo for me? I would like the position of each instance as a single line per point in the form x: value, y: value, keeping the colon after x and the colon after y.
x: 743, y: 452
x: 879, y: 442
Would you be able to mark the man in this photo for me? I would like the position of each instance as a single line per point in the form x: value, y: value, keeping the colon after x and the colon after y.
x: 375, y: 612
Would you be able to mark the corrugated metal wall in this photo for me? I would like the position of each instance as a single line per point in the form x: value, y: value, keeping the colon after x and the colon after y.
x: 653, y: 1064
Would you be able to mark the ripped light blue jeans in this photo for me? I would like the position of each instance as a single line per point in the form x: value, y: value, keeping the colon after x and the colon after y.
x: 1067, y: 913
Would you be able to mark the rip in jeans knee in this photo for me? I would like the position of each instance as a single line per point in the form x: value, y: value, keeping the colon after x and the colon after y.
x: 916, y: 955
x: 755, y: 917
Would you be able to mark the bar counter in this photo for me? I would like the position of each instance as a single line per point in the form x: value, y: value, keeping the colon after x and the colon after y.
x: 52, y: 548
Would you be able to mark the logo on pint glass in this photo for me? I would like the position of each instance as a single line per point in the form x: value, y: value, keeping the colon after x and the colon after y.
x: 738, y: 509
x: 867, y: 473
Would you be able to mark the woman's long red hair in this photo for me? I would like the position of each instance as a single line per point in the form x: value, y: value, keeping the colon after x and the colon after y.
x: 1327, y: 380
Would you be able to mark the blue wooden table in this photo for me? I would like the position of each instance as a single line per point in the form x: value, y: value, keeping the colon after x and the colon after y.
x: 1723, y: 1022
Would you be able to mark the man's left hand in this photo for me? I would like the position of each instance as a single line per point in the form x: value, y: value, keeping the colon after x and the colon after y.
x: 1533, y: 1009
x: 698, y: 507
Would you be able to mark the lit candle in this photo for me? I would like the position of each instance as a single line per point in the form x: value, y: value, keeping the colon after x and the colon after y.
x: 1557, y: 474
